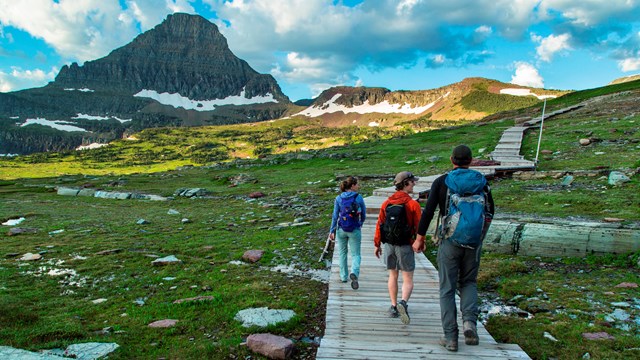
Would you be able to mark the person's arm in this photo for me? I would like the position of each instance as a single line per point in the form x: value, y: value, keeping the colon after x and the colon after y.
x: 363, y: 213
x: 334, y: 219
x: 377, y: 236
x: 427, y: 215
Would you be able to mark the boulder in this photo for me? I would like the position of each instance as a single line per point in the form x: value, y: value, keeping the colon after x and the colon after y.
x: 163, y: 323
x: 252, y: 256
x: 271, y: 346
x: 171, y: 259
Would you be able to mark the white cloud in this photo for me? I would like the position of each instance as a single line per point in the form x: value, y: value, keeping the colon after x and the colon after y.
x: 551, y: 45
x: 527, y: 75
x: 21, y: 79
x: 587, y: 13
x: 629, y: 64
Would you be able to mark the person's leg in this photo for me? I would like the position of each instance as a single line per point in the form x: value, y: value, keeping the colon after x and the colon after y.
x: 392, y: 284
x: 407, y: 285
x: 468, y: 285
x: 448, y: 276
x: 341, y: 243
x: 355, y: 239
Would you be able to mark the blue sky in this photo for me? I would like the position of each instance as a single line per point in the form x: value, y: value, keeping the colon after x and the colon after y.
x: 311, y: 45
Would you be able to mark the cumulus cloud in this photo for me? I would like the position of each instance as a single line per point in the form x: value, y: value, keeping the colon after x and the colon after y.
x: 551, y: 45
x: 527, y: 75
x: 630, y: 64
x: 20, y: 79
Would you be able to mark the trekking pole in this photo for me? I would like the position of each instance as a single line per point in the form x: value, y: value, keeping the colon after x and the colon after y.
x: 326, y: 248
x: 540, y: 137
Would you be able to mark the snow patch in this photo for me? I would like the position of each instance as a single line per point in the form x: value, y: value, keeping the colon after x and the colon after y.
x: 56, y: 124
x: 525, y: 92
x: 383, y: 107
x: 13, y: 222
x: 176, y: 100
x: 83, y: 90
x: 91, y: 146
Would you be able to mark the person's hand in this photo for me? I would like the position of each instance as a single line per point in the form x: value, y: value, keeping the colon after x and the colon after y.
x: 378, y: 252
x: 332, y: 236
x: 419, y: 245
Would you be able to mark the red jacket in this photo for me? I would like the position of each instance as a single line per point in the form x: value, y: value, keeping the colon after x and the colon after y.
x: 412, y: 208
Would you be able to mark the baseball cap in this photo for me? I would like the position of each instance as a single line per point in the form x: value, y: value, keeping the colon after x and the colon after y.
x: 404, y: 175
x: 461, y: 155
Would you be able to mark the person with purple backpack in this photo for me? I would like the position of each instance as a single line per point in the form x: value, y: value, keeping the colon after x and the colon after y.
x: 349, y: 213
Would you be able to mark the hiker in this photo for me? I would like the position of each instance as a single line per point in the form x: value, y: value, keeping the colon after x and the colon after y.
x: 395, y: 232
x: 349, y: 213
x: 458, y: 247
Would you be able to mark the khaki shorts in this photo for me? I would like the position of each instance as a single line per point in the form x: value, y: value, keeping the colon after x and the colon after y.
x: 399, y: 257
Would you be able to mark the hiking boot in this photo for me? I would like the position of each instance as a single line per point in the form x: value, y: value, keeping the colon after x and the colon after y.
x: 449, y: 344
x: 404, y: 312
x: 470, y: 333
x: 393, y: 312
x: 354, y: 281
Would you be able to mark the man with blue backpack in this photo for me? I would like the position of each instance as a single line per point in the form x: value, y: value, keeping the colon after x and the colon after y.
x: 466, y: 209
x: 349, y: 213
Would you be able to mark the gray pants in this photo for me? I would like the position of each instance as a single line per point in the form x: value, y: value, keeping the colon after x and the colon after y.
x: 457, y: 269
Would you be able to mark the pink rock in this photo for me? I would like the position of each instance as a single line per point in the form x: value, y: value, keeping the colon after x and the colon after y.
x: 627, y: 285
x: 163, y: 323
x: 256, y: 195
x: 271, y: 346
x: 252, y: 255
x: 31, y: 257
x: 597, y: 336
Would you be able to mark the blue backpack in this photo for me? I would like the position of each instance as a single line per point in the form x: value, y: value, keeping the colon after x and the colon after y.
x: 467, y: 208
x: 349, y: 218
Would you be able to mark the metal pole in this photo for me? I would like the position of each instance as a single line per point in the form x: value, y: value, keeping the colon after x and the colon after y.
x: 540, y: 137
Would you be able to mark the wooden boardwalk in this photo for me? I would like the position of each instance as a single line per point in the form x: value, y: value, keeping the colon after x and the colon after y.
x: 357, y: 326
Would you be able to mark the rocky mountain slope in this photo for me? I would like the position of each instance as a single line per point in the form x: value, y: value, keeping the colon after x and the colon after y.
x: 180, y: 73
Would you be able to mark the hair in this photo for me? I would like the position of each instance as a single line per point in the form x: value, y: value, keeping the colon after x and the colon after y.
x: 402, y: 184
x: 461, y: 155
x: 348, y: 183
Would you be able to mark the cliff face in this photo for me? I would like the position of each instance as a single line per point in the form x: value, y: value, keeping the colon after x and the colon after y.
x: 185, y: 54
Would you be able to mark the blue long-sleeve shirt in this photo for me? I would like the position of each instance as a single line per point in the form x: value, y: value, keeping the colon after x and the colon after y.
x: 336, y: 209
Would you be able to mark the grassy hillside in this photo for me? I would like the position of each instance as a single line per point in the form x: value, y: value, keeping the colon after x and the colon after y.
x: 49, y: 303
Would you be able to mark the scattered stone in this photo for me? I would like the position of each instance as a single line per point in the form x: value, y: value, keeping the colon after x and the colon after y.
x: 597, y: 336
x: 168, y: 260
x: 567, y: 180
x: 194, y: 299
x: 84, y: 351
x: 166, y: 323
x: 550, y: 337
x: 173, y: 212
x: 67, y: 191
x: 627, y: 285
x: 20, y: 231
x: 191, y: 192
x: 617, y: 178
x: 14, y: 221
x: 623, y: 304
x: 185, y: 221
x: 108, y: 252
x: 30, y: 257
x: 142, y: 222
x: 112, y: 195
x: 252, y: 256
x: 56, y: 232
x: 256, y: 195
x: 618, y: 315
x: 585, y: 142
x: 271, y: 346
x: 263, y: 316
x: 611, y: 220
x: 546, y: 152
x: 99, y: 301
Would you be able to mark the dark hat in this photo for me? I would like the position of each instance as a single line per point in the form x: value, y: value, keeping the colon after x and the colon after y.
x: 461, y: 155
x: 402, y: 176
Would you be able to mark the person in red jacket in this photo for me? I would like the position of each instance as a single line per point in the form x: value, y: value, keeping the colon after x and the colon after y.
x: 394, y: 237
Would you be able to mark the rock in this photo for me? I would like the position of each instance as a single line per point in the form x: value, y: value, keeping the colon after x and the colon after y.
x: 597, y: 336
x: 65, y: 191
x: 546, y: 152
x: 142, y: 222
x: 30, y: 257
x: 87, y: 192
x: 627, y: 285
x: 617, y: 178
x: 550, y: 337
x: 252, y: 256
x: 567, y: 180
x: 19, y: 231
x: 185, y: 221
x: 263, y: 316
x: 163, y: 323
x: 193, y: 299
x: 271, y: 346
x: 173, y: 212
x: 112, y: 195
x: 585, y: 142
x: 99, y: 301
x: 256, y: 195
x: 108, y: 252
x: 168, y: 260
x: 609, y: 219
